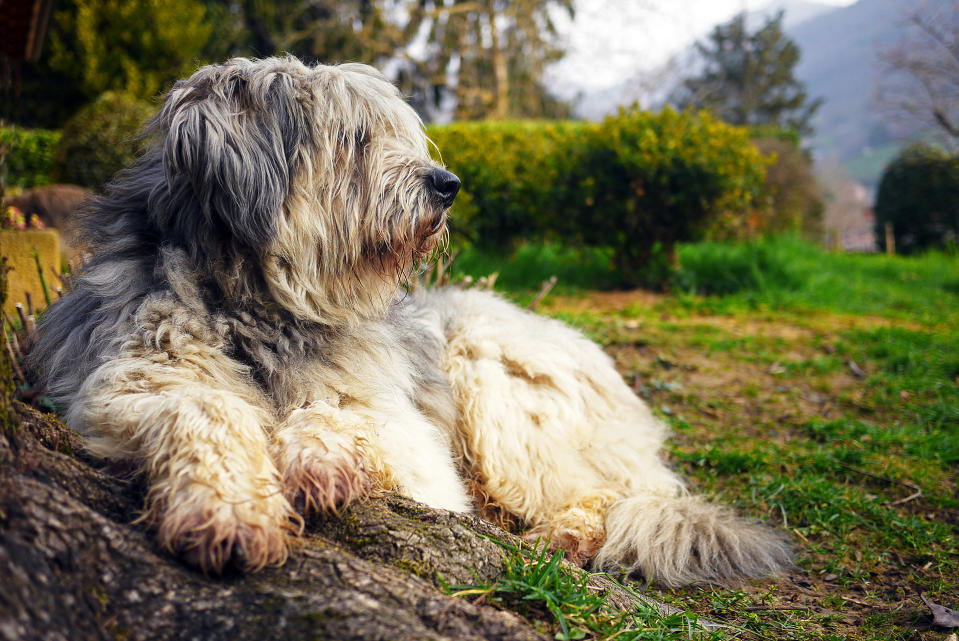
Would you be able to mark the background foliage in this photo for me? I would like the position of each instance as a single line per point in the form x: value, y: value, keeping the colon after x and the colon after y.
x: 483, y: 59
x: 100, y: 139
x: 645, y: 181
x: 133, y: 46
x: 919, y: 194
x: 28, y: 154
x: 748, y: 77
x: 633, y: 185
x: 636, y: 183
x: 511, y: 171
x: 795, y: 199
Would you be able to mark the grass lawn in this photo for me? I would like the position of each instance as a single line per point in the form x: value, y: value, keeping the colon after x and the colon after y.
x: 814, y: 390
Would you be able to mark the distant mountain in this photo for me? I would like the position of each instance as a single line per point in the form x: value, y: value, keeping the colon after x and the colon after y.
x: 795, y: 11
x: 839, y: 63
x: 650, y: 88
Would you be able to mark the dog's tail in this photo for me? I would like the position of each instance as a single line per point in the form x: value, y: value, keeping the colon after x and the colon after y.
x: 680, y: 540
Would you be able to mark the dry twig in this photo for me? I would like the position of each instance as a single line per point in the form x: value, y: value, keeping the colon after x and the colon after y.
x: 547, y: 285
x: 915, y: 495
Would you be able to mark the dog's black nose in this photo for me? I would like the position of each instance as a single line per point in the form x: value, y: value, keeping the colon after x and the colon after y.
x: 445, y: 185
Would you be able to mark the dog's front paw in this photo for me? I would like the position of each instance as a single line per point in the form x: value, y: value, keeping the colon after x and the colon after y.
x: 214, y: 534
x: 323, y: 472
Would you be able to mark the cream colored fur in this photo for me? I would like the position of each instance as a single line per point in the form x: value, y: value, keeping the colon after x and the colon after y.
x: 282, y: 368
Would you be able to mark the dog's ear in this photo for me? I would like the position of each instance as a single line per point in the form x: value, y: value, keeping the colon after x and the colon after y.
x: 235, y: 145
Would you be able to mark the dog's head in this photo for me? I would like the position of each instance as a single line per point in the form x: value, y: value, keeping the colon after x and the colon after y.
x: 321, y: 173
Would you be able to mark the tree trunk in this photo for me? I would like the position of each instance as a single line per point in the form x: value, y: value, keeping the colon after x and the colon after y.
x: 75, y: 567
x: 500, y: 66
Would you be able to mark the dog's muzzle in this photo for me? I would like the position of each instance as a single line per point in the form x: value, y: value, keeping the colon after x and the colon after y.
x: 444, y: 185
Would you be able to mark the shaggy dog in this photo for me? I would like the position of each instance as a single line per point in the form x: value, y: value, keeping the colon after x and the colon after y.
x: 242, y: 336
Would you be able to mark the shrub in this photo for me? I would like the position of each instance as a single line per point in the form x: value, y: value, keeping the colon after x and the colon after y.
x: 636, y: 183
x: 919, y: 194
x: 644, y: 182
x: 510, y: 171
x: 795, y: 203
x: 27, y: 155
x: 100, y: 139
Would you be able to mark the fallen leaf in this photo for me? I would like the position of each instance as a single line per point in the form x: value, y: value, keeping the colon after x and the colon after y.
x: 856, y: 369
x: 941, y: 615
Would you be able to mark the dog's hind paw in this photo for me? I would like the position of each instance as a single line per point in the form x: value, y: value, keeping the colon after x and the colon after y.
x: 324, y: 473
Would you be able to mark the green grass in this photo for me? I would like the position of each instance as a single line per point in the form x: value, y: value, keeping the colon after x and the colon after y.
x: 787, y: 273
x: 538, y: 586
x: 815, y: 390
x: 780, y: 274
x: 531, y: 264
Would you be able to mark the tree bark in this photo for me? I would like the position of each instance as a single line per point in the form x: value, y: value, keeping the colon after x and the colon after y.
x: 74, y: 565
x: 500, y: 64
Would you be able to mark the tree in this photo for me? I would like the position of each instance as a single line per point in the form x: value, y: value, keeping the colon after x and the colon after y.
x: 479, y: 58
x: 312, y: 30
x: 136, y: 47
x: 486, y: 57
x: 749, y: 78
x: 919, y: 195
x: 920, y: 78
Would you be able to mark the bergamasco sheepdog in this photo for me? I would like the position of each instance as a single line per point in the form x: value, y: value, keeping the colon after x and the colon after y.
x: 242, y: 336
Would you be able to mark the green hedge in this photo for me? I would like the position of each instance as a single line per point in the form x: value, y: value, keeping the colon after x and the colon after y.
x: 638, y: 183
x: 28, y: 154
x: 509, y: 170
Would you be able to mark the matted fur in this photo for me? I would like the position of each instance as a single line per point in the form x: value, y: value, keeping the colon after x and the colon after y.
x: 241, y: 335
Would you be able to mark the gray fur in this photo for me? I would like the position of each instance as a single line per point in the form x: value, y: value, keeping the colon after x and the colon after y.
x: 189, y: 220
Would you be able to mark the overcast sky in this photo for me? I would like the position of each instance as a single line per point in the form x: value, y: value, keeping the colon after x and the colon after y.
x: 610, y: 40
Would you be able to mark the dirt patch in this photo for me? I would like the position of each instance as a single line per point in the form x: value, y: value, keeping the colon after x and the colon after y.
x: 723, y: 389
x: 603, y: 302
x: 762, y: 377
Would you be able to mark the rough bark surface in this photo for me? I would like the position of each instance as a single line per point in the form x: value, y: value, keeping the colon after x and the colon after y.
x: 74, y: 566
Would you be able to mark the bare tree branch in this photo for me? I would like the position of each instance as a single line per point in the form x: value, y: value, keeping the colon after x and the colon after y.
x: 920, y: 79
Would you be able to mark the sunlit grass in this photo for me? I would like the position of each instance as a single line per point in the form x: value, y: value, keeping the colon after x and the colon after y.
x: 815, y: 390
x: 537, y: 585
x: 787, y: 273
x: 779, y: 274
